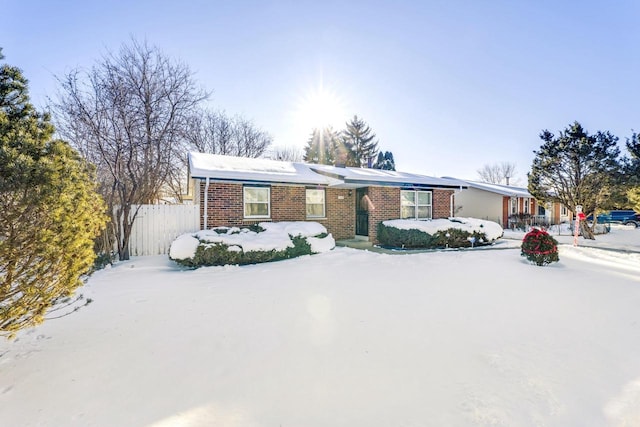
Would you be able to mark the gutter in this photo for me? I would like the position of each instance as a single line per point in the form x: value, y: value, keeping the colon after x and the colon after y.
x: 206, y: 202
x: 451, y: 201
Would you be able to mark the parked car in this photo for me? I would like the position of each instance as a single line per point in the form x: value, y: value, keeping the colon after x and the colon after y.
x: 626, y: 217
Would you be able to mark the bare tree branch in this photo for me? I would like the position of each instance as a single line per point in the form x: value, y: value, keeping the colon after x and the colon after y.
x: 498, y: 173
x: 128, y: 115
x: 217, y: 133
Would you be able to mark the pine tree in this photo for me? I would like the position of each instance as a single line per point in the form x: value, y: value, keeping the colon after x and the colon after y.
x: 322, y: 147
x: 385, y: 161
x: 632, y: 172
x: 361, y: 143
x: 49, y: 211
x: 576, y: 168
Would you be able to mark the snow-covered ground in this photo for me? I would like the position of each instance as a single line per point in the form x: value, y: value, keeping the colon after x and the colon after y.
x: 621, y: 237
x: 342, y: 338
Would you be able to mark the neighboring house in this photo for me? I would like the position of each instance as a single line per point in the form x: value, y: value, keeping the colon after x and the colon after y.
x: 349, y: 202
x: 505, y: 204
x: 556, y: 213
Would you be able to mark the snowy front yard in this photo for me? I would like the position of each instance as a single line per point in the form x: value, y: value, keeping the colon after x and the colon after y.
x: 343, y: 338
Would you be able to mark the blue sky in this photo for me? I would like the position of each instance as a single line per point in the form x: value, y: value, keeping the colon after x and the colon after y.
x: 447, y: 86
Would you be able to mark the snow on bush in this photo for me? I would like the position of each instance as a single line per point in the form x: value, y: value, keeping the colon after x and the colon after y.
x: 183, y: 247
x: 267, y: 241
x: 491, y: 229
x: 438, y: 233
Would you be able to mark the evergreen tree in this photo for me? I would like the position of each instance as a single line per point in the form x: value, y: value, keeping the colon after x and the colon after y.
x: 576, y: 168
x: 49, y: 211
x: 361, y: 143
x: 632, y: 172
x: 385, y: 161
x: 321, y: 147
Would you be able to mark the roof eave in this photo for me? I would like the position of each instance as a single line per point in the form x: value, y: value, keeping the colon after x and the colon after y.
x: 261, y: 181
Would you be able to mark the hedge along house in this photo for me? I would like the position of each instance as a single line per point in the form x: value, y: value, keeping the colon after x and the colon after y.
x: 349, y: 202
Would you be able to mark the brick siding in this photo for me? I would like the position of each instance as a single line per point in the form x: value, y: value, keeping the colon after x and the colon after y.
x: 386, y: 205
x: 224, y: 205
x: 442, y: 203
x: 341, y: 213
x: 288, y: 203
x: 386, y: 201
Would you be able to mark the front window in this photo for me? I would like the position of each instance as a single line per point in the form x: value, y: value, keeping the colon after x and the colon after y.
x: 525, y: 206
x: 315, y: 203
x: 257, y: 202
x: 415, y: 204
x: 564, y: 211
x: 514, y: 206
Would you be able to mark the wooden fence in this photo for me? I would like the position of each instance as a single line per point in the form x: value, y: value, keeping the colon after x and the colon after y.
x: 156, y: 226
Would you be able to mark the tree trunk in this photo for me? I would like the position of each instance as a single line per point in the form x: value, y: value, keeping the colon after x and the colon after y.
x: 123, y: 238
x: 586, y: 231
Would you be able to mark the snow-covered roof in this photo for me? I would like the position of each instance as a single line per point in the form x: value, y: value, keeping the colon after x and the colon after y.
x: 243, y: 169
x: 505, y: 190
x: 359, y: 177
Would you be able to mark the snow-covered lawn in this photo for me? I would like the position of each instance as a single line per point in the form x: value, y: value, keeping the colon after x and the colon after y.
x: 343, y: 338
x: 621, y: 237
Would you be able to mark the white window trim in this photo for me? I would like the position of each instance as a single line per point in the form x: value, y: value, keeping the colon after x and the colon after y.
x: 244, y: 201
x: 416, y: 204
x: 324, y: 203
x: 526, y: 205
x: 513, y: 204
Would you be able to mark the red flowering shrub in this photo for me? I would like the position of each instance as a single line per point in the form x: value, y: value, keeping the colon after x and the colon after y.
x: 539, y: 247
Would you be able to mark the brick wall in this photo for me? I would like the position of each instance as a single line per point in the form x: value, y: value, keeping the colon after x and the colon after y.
x: 224, y: 205
x: 386, y: 201
x: 288, y: 203
x: 442, y: 203
x: 386, y: 205
x: 341, y: 213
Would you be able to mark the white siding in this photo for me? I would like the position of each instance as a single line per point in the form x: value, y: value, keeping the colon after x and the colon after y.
x: 474, y: 203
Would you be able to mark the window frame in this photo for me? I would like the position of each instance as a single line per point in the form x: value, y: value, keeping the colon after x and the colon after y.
x: 244, y: 201
x: 526, y: 204
x: 324, y: 203
x: 513, y: 210
x: 416, y: 204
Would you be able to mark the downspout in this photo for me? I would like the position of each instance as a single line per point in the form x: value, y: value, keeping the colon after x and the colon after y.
x: 451, y: 201
x: 206, y: 202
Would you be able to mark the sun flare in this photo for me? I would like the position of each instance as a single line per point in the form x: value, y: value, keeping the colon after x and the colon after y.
x: 319, y: 108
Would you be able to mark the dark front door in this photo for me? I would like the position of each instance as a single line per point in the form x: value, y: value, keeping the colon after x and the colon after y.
x: 362, y: 212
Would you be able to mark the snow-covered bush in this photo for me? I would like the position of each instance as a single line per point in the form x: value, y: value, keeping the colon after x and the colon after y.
x: 267, y: 241
x: 438, y: 233
x: 539, y: 247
